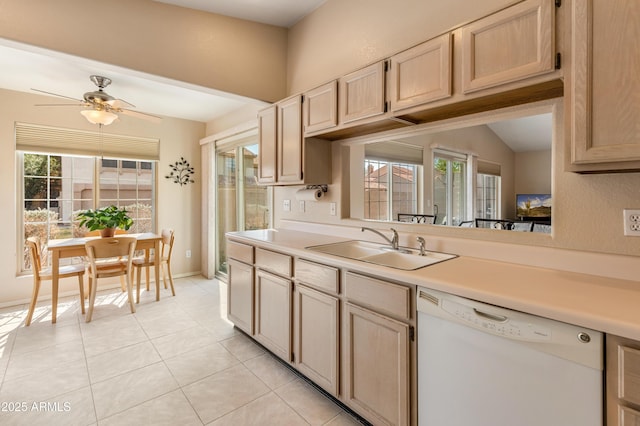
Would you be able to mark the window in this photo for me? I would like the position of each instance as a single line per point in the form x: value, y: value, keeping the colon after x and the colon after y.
x: 390, y: 188
x: 55, y: 187
x: 488, y: 190
x: 129, y: 184
x: 487, y: 196
x: 450, y: 187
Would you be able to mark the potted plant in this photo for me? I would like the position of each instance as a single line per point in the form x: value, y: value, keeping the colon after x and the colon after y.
x: 105, y: 219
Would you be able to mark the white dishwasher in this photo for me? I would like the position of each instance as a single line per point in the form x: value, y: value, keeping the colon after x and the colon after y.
x: 482, y: 365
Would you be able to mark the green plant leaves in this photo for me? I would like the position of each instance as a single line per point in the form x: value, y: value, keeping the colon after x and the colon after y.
x: 106, y: 217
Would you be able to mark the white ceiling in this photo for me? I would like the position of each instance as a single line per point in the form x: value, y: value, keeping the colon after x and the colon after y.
x: 27, y: 67
x: 282, y: 13
x: 532, y: 133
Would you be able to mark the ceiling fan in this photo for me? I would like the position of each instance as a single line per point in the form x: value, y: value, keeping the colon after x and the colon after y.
x: 100, y: 107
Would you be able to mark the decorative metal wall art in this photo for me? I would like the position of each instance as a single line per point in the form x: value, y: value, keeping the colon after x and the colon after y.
x: 181, y: 172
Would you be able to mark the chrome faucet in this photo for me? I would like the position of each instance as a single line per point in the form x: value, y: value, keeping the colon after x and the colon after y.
x: 422, y: 243
x: 392, y: 241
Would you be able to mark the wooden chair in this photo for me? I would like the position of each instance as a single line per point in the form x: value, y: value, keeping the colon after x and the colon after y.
x: 417, y: 218
x: 522, y: 226
x: 109, y: 257
x: 96, y: 233
x: 494, y: 224
x: 165, y: 261
x: 40, y: 274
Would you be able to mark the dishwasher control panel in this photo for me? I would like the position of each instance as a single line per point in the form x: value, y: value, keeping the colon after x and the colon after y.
x: 568, y: 341
x: 494, y: 322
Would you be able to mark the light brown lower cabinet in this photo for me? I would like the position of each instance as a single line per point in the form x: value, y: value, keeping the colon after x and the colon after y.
x: 623, y: 381
x: 316, y: 347
x: 240, y: 295
x: 273, y: 313
x: 376, y: 366
x: 349, y: 333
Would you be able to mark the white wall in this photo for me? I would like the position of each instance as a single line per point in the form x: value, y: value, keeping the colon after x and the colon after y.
x: 177, y: 207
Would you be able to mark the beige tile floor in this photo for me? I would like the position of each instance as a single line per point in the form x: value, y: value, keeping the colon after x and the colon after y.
x: 174, y: 362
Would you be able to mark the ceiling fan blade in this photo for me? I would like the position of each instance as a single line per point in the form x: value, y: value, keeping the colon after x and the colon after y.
x: 73, y: 105
x: 119, y: 104
x: 55, y: 94
x: 136, y: 114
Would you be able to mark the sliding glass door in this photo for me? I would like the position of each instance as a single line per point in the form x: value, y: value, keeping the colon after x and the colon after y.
x: 242, y: 204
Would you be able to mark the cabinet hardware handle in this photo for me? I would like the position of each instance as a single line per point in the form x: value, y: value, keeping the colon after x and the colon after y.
x: 499, y: 318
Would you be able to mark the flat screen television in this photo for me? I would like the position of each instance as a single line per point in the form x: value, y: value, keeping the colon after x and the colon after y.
x: 536, y: 207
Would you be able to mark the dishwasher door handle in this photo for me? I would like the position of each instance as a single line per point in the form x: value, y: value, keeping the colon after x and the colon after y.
x: 493, y: 317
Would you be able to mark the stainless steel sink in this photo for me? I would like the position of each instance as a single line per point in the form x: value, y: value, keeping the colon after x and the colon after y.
x: 406, y: 259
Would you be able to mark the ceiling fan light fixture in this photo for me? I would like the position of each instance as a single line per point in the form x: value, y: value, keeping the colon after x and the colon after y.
x: 94, y: 116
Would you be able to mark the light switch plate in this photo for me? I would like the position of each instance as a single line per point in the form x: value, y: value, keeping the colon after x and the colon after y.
x: 332, y: 209
x: 286, y: 205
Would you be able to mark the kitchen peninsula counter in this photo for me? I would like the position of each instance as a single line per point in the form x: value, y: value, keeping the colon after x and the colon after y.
x: 605, y: 304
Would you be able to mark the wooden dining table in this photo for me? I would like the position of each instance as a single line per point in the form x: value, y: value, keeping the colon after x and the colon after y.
x: 72, y: 247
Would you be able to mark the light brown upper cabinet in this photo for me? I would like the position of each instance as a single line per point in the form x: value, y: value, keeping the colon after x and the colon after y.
x: 362, y: 93
x: 320, y: 108
x: 267, y: 137
x: 603, y: 90
x: 285, y: 157
x: 421, y: 74
x: 511, y: 45
x: 289, y: 140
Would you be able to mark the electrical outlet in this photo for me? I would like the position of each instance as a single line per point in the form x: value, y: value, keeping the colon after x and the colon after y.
x: 188, y: 254
x: 631, y: 222
x: 286, y: 205
x: 301, y: 206
x: 332, y: 209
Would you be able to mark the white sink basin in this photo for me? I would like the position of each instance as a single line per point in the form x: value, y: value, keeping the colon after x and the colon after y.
x: 353, y: 249
x: 364, y: 251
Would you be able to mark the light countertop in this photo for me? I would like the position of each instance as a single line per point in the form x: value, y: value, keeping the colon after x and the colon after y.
x: 604, y: 304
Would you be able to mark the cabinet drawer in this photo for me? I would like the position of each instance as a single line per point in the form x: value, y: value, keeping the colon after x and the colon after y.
x: 382, y: 296
x: 316, y: 275
x: 277, y: 263
x: 629, y: 374
x: 240, y: 251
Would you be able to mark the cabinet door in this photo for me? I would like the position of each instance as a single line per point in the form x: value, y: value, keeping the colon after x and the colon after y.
x: 273, y: 313
x: 377, y: 366
x: 510, y: 45
x: 362, y: 93
x: 267, y: 137
x: 421, y: 74
x: 240, y: 295
x: 604, y: 86
x: 320, y: 108
x: 628, y: 417
x: 622, y: 381
x: 290, y: 140
x: 316, y: 337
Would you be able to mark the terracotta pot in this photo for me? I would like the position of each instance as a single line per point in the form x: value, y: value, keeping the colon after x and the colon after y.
x: 107, y: 232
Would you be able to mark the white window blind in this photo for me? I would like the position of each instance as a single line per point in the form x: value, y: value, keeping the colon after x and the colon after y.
x: 396, y: 152
x: 487, y: 168
x: 47, y: 139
